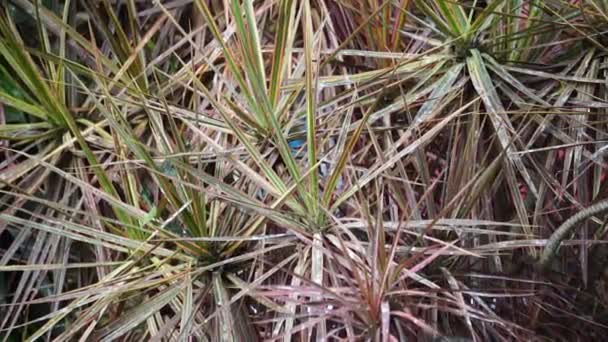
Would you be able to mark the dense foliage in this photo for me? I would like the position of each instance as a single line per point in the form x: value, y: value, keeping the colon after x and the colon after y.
x: 297, y: 170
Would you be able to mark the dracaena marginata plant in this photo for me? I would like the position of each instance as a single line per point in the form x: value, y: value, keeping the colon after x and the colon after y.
x: 302, y: 170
